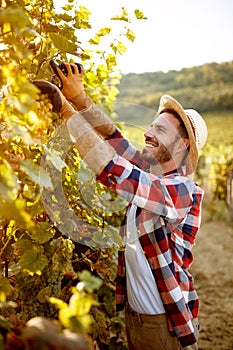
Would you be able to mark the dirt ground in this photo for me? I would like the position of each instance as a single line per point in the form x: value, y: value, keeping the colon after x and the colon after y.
x: 213, y: 272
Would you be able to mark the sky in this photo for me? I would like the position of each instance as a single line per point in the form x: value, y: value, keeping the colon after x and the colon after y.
x: 177, y: 34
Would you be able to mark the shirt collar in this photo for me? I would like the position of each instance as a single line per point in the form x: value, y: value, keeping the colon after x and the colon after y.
x: 179, y: 171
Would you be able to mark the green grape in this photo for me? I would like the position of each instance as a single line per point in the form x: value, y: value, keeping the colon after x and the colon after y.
x: 44, y: 106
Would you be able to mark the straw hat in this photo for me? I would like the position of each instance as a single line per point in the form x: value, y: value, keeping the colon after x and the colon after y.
x: 195, y: 126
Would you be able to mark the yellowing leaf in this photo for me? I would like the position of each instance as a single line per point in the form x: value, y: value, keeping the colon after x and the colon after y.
x: 122, y: 17
x: 15, y: 16
x: 139, y: 14
x: 104, y: 31
x: 130, y: 35
x: 73, y: 322
x: 80, y: 305
x: 8, y: 183
x: 58, y: 303
x: 95, y: 40
x: 111, y: 60
x: 65, y: 17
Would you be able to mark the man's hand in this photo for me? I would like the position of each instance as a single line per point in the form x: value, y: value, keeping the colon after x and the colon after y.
x: 191, y: 347
x: 70, y: 76
x: 53, y: 93
x: 73, y: 89
x: 59, y: 102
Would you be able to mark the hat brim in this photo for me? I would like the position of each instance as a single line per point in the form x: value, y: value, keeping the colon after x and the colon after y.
x: 168, y: 102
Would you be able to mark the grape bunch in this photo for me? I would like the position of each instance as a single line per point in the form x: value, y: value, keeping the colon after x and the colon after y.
x: 44, y: 106
x: 41, y: 119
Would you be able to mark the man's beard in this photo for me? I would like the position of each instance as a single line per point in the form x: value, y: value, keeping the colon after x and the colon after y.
x: 159, y: 154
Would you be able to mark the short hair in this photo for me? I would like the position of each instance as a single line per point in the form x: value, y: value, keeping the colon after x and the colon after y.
x: 181, y: 128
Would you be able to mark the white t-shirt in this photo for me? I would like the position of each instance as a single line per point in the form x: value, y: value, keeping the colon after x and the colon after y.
x: 142, y: 291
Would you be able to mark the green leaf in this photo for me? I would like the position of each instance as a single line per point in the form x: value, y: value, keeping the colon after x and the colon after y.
x: 5, y: 285
x: 62, y: 43
x: 5, y: 324
x: 36, y: 173
x: 113, y: 234
x: 33, y: 263
x: 44, y: 294
x: 42, y: 232
x: 23, y: 245
x: 90, y: 282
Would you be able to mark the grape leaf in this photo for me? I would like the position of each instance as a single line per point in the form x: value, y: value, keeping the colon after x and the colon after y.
x: 139, y: 14
x: 15, y: 16
x: 5, y: 285
x: 32, y: 262
x: 36, y: 173
x: 8, y: 183
x: 130, y: 35
x: 90, y: 282
x: 55, y: 158
x: 62, y: 43
x: 104, y: 31
x: 42, y: 232
x: 16, y: 210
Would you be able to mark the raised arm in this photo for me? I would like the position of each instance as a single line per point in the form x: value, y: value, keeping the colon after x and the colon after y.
x: 73, y: 89
x: 71, y: 77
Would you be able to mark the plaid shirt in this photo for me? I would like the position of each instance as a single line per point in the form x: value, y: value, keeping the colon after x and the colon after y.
x: 168, y: 218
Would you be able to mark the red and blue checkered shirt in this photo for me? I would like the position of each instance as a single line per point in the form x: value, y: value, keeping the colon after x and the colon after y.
x: 168, y: 217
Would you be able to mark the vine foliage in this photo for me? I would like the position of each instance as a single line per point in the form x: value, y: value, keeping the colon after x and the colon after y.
x: 51, y: 282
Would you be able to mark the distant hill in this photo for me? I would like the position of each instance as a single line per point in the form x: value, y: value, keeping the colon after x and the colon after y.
x: 205, y: 88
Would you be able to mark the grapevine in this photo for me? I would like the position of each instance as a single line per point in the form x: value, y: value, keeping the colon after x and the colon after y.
x: 44, y: 106
x: 38, y: 262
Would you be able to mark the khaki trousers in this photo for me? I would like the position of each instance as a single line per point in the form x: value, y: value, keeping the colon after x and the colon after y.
x: 149, y: 332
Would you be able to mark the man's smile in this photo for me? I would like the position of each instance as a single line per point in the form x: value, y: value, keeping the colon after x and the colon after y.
x: 150, y: 143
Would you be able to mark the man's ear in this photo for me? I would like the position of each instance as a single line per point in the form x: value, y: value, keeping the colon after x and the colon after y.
x: 183, y: 144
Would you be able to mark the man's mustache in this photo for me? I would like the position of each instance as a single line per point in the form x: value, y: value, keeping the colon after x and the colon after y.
x: 152, y: 140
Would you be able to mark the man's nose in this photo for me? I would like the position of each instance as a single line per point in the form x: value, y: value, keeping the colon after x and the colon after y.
x: 149, y: 133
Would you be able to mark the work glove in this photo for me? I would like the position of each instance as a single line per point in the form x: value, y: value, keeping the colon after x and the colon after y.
x: 70, y: 76
x: 58, y: 100
x: 92, y: 148
x: 191, y: 347
x: 72, y: 87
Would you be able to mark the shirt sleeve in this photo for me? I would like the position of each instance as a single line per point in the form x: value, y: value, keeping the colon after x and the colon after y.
x: 169, y: 197
x: 125, y: 149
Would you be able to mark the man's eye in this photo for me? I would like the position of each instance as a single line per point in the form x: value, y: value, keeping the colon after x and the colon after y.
x: 160, y: 130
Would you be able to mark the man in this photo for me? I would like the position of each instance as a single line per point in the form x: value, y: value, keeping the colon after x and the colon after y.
x: 164, y: 212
